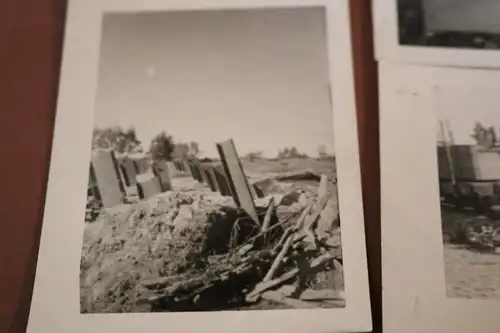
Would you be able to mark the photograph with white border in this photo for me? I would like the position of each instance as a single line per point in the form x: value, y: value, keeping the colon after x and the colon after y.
x: 215, y: 146
x: 170, y: 226
x: 439, y: 32
x: 438, y: 239
x: 469, y: 183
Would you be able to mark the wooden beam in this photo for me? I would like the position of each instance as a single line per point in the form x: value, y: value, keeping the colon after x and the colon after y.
x: 238, y: 181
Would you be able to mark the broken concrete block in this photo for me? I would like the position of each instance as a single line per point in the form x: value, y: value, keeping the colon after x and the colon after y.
x: 222, y: 182
x: 212, y: 178
x: 238, y: 181
x: 141, y: 164
x: 200, y: 173
x: 186, y: 167
x: 210, y: 181
x: 162, y: 172
x: 105, y: 175
x: 148, y: 185
x: 129, y: 171
x: 172, y: 168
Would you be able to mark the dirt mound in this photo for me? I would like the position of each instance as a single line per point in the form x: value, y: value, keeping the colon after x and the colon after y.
x: 193, y: 248
x: 171, y: 234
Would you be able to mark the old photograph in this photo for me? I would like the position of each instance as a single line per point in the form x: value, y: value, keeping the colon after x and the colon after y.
x: 212, y: 180
x: 449, y: 23
x: 468, y: 151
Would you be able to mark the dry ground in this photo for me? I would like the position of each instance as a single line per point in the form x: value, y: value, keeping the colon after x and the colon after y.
x: 468, y: 272
x: 471, y: 274
x: 270, y: 167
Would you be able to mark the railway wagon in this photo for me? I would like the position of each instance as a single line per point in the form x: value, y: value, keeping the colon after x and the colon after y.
x: 469, y: 176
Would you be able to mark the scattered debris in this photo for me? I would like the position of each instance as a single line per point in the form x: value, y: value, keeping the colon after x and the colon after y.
x: 196, y: 250
x: 212, y: 241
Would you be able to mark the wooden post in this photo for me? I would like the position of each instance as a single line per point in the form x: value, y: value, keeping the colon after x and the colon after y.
x: 237, y: 179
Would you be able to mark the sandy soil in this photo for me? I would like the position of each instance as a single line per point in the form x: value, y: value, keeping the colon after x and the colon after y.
x: 471, y: 274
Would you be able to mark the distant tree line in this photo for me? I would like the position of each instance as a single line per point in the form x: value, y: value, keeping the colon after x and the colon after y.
x: 162, y: 146
x: 289, y: 153
x: 117, y: 139
x: 484, y: 136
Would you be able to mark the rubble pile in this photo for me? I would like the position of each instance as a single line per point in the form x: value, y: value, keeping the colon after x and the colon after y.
x: 193, y: 250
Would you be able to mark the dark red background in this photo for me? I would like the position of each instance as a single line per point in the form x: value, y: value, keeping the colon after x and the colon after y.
x: 31, y: 38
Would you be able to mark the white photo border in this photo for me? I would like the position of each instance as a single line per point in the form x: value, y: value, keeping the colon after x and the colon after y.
x: 388, y: 48
x: 55, y: 306
x: 414, y: 290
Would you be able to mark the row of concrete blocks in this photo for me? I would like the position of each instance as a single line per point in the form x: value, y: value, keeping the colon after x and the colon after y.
x: 226, y: 177
x: 213, y: 176
x: 112, y: 179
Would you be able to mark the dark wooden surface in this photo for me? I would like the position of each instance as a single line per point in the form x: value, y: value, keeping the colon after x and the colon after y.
x: 31, y: 38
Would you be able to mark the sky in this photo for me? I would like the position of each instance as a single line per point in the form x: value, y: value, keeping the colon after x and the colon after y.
x: 463, y: 15
x: 259, y: 77
x: 462, y: 107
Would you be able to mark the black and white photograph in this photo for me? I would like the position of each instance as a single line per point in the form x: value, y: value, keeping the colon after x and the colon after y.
x: 449, y: 23
x: 469, y: 179
x: 212, y: 181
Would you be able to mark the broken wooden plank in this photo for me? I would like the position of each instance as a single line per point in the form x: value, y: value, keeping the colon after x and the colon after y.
x: 311, y: 219
x: 279, y: 259
x: 159, y: 282
x: 276, y: 296
x: 237, y: 178
x: 323, y: 186
x: 311, y: 294
x: 333, y: 303
x: 269, y: 214
x: 299, y: 225
x: 315, y: 266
